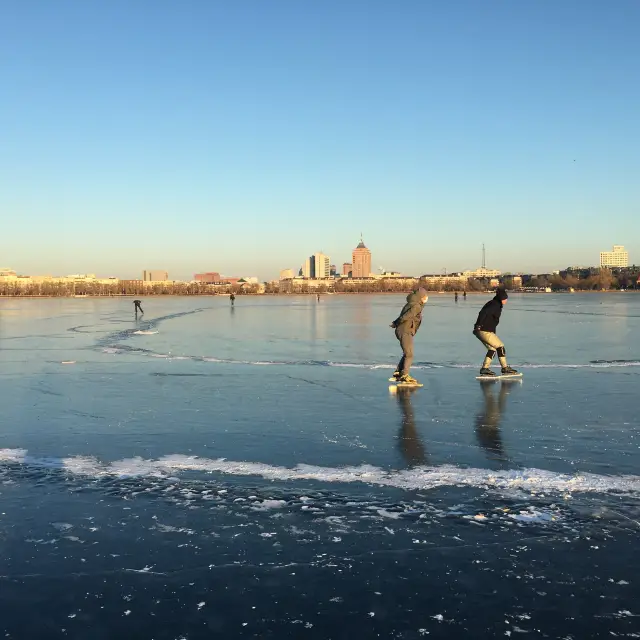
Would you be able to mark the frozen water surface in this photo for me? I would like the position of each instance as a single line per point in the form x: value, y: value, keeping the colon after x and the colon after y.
x: 207, y: 471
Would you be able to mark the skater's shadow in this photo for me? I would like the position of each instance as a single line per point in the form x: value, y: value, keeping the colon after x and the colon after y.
x: 488, y: 421
x: 409, y: 442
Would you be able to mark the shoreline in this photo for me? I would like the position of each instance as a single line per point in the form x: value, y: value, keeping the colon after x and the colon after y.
x: 313, y: 295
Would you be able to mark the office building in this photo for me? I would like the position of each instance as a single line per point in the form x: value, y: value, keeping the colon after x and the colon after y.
x: 482, y: 272
x: 361, y: 261
x: 322, y: 266
x: 208, y: 278
x: 317, y: 266
x: 333, y: 271
x: 308, y: 268
x: 155, y: 276
x: 347, y: 268
x: 286, y: 274
x: 616, y: 258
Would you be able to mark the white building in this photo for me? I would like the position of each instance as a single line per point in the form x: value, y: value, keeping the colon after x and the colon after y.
x: 317, y: 266
x: 482, y: 272
x: 286, y: 274
x: 616, y: 258
x: 322, y: 266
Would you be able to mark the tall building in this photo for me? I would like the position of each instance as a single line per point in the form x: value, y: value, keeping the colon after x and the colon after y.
x: 616, y: 258
x: 347, y: 268
x: 155, y: 276
x: 322, y: 266
x: 361, y: 261
x: 317, y: 266
x: 333, y: 271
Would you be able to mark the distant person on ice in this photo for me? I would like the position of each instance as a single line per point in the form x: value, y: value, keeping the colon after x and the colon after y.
x: 406, y: 326
x: 232, y: 297
x: 485, y: 330
x: 137, y: 307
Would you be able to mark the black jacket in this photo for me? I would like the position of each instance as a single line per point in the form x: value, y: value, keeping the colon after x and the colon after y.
x: 489, y: 316
x: 410, y: 317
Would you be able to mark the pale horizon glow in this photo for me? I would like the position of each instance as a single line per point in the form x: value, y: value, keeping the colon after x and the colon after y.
x: 242, y: 138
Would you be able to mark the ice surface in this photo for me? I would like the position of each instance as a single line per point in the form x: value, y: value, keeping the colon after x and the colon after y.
x: 192, y: 457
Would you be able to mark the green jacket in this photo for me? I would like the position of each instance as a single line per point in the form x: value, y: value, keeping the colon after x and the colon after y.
x: 410, y: 317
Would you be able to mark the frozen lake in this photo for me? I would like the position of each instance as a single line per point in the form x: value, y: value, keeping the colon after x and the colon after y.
x: 207, y: 471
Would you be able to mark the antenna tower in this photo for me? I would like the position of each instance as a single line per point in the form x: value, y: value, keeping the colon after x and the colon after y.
x: 484, y: 261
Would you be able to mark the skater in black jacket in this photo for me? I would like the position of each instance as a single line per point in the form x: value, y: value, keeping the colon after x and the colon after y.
x: 485, y: 330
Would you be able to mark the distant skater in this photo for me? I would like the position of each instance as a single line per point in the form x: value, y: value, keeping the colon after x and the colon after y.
x: 232, y: 297
x: 137, y: 307
x: 485, y: 330
x: 406, y: 326
x: 318, y: 297
x: 456, y: 296
x: 464, y: 295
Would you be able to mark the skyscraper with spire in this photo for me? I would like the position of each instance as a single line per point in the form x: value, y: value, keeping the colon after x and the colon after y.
x: 361, y: 261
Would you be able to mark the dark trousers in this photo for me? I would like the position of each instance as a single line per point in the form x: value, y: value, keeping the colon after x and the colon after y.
x: 406, y: 342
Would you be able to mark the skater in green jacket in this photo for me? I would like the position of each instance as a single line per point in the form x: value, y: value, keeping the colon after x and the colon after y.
x: 406, y: 326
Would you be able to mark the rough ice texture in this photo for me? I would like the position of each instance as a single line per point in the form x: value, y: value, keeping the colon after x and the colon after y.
x: 535, y: 480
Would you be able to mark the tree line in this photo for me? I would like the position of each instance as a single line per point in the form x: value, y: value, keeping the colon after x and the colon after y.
x: 123, y: 288
x: 600, y: 279
x: 597, y: 280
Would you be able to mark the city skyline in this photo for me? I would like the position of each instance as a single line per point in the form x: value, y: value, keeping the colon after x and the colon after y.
x: 617, y: 258
x: 133, y: 141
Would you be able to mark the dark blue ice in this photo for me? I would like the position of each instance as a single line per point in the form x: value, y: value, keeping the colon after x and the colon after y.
x: 247, y: 471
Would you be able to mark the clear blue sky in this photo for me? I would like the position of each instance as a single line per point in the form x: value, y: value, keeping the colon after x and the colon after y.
x: 243, y: 136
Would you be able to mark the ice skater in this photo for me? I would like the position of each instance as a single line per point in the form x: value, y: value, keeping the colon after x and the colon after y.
x: 464, y: 295
x: 406, y: 326
x: 456, y: 296
x: 232, y: 297
x: 485, y: 330
x: 137, y: 307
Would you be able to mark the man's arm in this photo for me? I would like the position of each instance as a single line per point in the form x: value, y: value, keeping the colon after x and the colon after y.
x: 409, y: 312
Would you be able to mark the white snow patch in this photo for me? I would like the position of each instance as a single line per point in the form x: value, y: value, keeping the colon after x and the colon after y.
x: 266, y: 505
x: 530, y: 480
x: 532, y: 516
